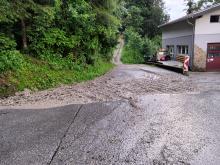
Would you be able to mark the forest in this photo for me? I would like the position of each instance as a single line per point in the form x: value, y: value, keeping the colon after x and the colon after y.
x: 45, y: 43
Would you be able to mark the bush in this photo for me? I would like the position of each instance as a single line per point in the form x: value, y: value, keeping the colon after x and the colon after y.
x: 6, y: 43
x: 10, y: 60
x: 132, y: 51
x: 138, y: 48
x: 149, y: 48
x: 157, y: 40
x: 133, y: 40
x: 54, y: 42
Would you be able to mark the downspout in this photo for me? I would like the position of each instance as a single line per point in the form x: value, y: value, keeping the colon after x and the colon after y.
x: 193, y: 40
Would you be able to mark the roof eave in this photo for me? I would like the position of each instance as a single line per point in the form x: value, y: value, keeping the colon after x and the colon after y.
x: 176, y: 21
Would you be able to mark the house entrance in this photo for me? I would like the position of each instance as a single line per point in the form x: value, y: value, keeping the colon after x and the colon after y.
x: 213, y: 57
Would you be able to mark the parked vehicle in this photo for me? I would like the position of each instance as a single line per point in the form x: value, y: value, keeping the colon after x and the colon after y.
x: 163, y: 55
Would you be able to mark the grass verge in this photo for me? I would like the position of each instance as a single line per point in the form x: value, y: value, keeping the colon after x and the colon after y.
x: 40, y: 75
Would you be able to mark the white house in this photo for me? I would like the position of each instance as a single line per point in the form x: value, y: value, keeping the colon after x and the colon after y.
x: 196, y: 35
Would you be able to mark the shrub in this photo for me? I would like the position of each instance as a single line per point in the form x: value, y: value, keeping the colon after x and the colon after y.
x: 138, y: 48
x: 10, y: 60
x: 133, y: 39
x: 54, y: 42
x: 149, y: 48
x: 132, y: 53
x: 6, y: 43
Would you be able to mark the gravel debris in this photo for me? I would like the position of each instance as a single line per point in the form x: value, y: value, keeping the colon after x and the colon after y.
x: 123, y: 82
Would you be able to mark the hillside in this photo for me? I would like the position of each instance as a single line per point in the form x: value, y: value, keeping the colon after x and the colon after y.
x: 45, y: 43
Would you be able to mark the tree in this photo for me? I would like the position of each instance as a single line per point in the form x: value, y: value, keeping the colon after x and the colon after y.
x: 19, y: 13
x: 145, y: 16
x: 201, y: 4
x: 142, y: 33
x: 191, y: 6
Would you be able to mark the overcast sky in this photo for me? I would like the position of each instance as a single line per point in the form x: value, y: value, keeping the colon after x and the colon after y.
x: 175, y: 8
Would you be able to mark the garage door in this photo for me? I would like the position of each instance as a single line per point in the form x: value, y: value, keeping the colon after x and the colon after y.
x: 213, y: 59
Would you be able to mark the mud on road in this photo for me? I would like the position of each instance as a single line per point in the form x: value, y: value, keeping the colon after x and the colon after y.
x: 123, y: 82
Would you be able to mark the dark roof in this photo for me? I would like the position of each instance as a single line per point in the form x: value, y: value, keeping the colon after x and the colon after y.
x: 193, y: 15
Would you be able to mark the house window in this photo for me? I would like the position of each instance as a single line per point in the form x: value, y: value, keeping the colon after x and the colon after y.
x: 214, y: 50
x: 214, y: 19
x: 183, y: 49
x: 170, y: 49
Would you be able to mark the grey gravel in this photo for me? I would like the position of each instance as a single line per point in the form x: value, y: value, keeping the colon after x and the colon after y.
x: 123, y: 82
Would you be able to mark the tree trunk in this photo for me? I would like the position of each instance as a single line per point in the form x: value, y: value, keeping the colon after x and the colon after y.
x: 24, y: 35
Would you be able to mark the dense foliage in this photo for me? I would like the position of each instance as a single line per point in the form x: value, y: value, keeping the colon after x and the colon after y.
x: 78, y: 29
x: 47, y: 42
x: 193, y: 6
x: 138, y: 49
x: 44, y: 37
x: 141, y: 21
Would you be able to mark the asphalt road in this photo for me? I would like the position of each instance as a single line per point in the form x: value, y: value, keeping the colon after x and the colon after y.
x: 156, y: 129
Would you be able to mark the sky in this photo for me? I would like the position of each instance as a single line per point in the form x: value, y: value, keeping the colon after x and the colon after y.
x: 175, y: 8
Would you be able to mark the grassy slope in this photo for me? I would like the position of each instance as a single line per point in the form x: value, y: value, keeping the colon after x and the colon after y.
x: 36, y: 74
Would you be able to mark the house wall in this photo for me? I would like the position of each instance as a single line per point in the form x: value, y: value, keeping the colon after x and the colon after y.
x: 184, y: 40
x: 179, y: 29
x: 180, y: 33
x: 205, y: 32
x: 203, y: 25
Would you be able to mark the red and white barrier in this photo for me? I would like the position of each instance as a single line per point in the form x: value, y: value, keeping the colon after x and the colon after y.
x: 186, y: 64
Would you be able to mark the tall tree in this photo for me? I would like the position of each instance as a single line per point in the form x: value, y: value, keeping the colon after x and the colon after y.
x: 145, y: 16
x: 201, y: 4
x: 191, y: 6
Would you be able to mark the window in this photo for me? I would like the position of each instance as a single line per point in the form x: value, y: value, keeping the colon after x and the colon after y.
x: 170, y: 49
x: 214, y: 47
x: 183, y: 49
x: 214, y: 19
x: 214, y: 50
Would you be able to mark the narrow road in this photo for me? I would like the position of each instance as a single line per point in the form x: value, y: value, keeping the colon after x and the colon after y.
x: 136, y: 115
x: 164, y: 129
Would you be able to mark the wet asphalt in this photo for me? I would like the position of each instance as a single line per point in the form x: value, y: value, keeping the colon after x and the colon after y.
x: 159, y: 129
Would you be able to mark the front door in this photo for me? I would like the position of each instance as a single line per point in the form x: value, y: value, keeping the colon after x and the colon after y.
x: 213, y: 58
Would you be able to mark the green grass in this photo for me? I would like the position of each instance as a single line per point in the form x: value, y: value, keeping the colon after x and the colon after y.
x: 39, y: 75
x: 130, y: 56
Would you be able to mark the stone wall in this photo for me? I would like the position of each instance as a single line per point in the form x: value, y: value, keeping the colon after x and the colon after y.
x: 199, y: 61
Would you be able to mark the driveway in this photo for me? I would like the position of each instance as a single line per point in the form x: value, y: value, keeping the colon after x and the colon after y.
x: 158, y: 117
